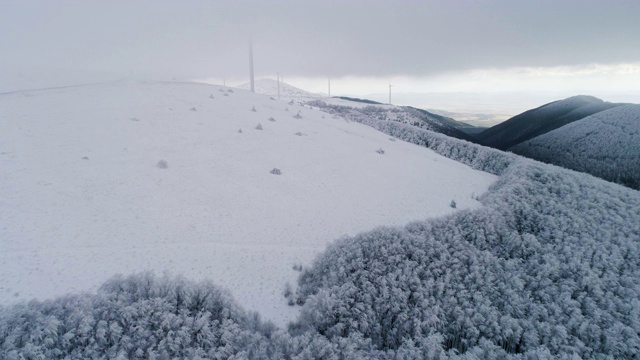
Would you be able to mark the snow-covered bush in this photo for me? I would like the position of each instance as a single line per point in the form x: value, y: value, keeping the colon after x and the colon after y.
x: 380, y: 151
x: 297, y: 116
x: 276, y: 171
x: 253, y: 108
x: 259, y: 126
x: 272, y: 119
x: 193, y: 109
x: 453, y: 204
x: 137, y: 317
x: 162, y: 164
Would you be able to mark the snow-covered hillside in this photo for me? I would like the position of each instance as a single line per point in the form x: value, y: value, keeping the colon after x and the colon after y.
x: 423, y: 119
x: 606, y: 145
x: 269, y: 87
x: 125, y: 177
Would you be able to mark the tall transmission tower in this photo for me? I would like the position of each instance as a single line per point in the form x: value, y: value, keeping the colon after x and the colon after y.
x: 253, y: 90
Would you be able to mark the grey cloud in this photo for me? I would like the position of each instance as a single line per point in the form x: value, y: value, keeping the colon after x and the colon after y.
x: 312, y: 38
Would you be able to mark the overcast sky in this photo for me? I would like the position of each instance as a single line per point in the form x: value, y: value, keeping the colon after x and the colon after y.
x: 419, y: 45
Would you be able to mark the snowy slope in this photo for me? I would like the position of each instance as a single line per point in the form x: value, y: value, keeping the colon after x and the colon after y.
x: 269, y: 87
x: 402, y: 114
x: 606, y: 145
x: 541, y: 120
x: 82, y: 195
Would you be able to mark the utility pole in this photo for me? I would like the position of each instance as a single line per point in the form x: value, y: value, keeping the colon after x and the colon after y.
x: 389, y: 94
x: 278, y: 76
x: 253, y: 90
x: 329, y: 87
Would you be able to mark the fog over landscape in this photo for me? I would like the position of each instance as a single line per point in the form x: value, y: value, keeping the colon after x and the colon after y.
x: 533, y: 47
x: 319, y: 179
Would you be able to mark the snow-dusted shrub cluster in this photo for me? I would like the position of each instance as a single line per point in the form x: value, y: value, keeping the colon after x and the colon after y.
x: 139, y: 317
x: 550, y: 268
x: 606, y: 145
x: 146, y: 317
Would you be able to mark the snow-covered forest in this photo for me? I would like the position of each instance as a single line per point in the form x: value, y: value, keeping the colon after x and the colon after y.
x: 549, y: 267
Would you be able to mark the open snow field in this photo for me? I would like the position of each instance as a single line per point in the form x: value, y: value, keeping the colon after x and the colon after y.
x: 82, y: 197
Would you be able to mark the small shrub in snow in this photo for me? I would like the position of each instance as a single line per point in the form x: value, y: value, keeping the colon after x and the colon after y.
x: 286, y: 109
x: 253, y: 109
x: 221, y: 90
x: 240, y: 131
x: 297, y: 116
x: 291, y: 102
x: 230, y: 90
x: 85, y: 158
x: 287, y: 290
x: 259, y: 126
x: 272, y: 98
x: 297, y: 267
x: 380, y: 151
x: 272, y: 119
x: 299, y: 133
x: 275, y: 171
x: 392, y: 139
x: 225, y: 94
x: 193, y: 109
x: 134, y: 119
x: 211, y: 96
x: 453, y: 204
x: 162, y: 164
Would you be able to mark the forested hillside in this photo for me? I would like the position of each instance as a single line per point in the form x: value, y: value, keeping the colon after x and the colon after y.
x: 606, y: 145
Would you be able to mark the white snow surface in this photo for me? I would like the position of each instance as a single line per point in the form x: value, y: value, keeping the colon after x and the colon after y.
x: 266, y: 86
x: 82, y: 196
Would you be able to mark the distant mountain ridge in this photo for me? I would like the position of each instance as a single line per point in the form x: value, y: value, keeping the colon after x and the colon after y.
x: 541, y: 120
x: 606, y: 144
